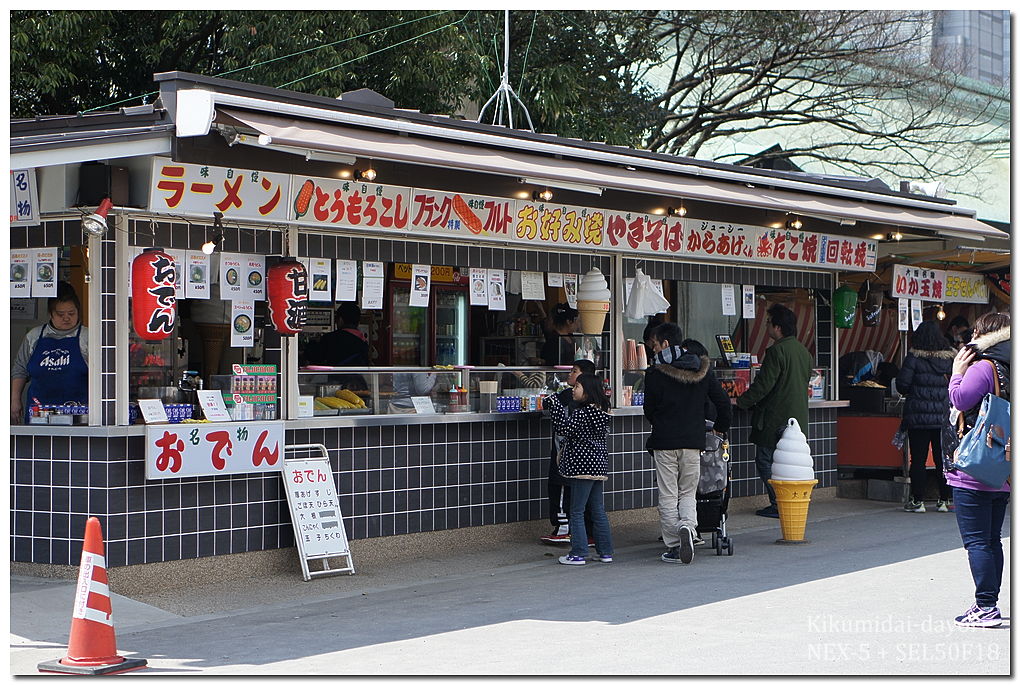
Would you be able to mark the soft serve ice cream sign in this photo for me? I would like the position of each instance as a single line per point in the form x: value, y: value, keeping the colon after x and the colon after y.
x: 793, y: 477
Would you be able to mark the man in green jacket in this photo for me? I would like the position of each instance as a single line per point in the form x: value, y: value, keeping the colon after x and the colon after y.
x: 779, y: 393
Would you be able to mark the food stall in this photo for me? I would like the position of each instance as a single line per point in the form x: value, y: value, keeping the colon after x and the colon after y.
x: 447, y: 248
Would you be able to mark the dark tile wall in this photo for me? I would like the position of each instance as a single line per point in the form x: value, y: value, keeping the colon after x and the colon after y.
x: 391, y: 480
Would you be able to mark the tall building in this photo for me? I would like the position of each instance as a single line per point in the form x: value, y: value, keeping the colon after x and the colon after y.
x: 974, y: 43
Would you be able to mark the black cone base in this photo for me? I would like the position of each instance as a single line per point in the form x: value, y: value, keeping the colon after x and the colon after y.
x: 128, y: 664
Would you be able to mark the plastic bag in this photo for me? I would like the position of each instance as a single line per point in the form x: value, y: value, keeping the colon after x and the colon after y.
x: 644, y: 299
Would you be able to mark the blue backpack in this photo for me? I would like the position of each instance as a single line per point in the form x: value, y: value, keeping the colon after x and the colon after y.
x: 984, y: 451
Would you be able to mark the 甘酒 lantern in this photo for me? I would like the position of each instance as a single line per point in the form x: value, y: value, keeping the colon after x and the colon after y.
x: 288, y: 296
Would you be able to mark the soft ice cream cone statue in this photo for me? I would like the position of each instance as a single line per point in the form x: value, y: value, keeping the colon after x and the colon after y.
x: 593, y: 299
x: 793, y: 478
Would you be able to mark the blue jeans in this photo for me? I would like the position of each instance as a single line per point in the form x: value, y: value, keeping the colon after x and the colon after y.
x: 763, y: 462
x: 585, y: 492
x: 979, y: 515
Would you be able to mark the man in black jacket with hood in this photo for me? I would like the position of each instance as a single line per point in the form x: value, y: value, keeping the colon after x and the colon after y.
x: 677, y: 385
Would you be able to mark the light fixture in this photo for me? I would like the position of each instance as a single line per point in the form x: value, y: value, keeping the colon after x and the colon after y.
x: 941, y: 313
x: 877, y: 236
x: 542, y: 195
x: 564, y: 185
x: 209, y: 246
x: 365, y: 174
x: 95, y: 224
x: 335, y: 157
x: 895, y: 235
x: 795, y: 223
x: 677, y: 211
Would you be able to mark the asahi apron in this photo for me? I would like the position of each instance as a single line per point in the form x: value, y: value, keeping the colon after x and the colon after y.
x: 58, y: 372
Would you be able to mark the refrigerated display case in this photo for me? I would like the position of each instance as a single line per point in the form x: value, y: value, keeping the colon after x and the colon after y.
x: 423, y: 336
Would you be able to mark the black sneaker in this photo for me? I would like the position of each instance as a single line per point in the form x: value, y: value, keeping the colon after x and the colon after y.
x: 769, y: 512
x: 672, y: 555
x: 686, y: 545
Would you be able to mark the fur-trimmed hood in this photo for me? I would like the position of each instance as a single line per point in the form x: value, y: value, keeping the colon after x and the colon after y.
x: 983, y: 342
x: 933, y: 354
x: 688, y: 369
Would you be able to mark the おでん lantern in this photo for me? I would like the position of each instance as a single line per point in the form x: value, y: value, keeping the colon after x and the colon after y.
x: 288, y: 296
x: 153, y: 294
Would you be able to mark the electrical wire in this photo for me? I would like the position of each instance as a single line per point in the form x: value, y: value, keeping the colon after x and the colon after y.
x: 293, y: 54
x: 374, y: 52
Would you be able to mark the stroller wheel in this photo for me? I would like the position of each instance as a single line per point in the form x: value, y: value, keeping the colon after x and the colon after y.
x: 715, y: 541
x: 729, y: 548
x: 719, y: 548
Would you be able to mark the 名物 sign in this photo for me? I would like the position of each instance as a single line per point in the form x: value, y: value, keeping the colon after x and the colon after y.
x: 206, y: 449
x: 24, y: 198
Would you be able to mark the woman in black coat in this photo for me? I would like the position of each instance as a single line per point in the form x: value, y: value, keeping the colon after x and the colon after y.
x: 924, y: 379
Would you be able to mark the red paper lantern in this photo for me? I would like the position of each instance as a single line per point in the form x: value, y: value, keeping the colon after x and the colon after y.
x: 153, y: 294
x: 288, y: 296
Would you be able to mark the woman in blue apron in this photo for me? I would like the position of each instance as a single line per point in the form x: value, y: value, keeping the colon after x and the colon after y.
x: 52, y: 360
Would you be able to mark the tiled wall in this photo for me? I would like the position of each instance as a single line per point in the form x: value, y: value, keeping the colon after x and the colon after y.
x: 391, y: 480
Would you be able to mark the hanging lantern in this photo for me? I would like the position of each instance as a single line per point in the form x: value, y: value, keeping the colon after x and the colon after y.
x: 153, y: 294
x: 844, y: 306
x: 288, y: 296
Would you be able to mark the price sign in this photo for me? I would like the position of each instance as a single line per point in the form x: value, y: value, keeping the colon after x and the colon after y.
x: 315, y: 512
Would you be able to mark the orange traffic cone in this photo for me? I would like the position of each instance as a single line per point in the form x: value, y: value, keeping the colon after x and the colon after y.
x: 92, y: 649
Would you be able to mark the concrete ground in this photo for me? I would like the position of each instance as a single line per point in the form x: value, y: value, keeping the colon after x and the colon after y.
x: 874, y: 592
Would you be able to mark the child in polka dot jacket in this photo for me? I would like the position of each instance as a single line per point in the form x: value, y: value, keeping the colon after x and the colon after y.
x: 584, y: 462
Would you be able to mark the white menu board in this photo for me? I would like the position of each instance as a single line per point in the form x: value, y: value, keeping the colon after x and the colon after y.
x: 242, y: 323
x: 44, y: 272
x: 180, y: 259
x: 197, y: 271
x: 320, y: 276
x: 570, y: 288
x: 532, y: 285
x: 231, y: 268
x: 21, y: 272
x: 421, y: 285
x: 255, y: 277
x: 346, y: 280
x: 479, y: 286
x: 372, y: 285
x: 748, y: 301
x: 315, y: 511
x: 497, y: 293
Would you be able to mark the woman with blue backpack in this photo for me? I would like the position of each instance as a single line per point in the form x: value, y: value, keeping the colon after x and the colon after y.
x: 981, y: 368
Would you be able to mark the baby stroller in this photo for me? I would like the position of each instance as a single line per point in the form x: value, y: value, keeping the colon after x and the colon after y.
x: 713, y: 497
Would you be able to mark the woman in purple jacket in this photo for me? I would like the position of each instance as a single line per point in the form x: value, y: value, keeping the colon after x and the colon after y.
x: 980, y: 509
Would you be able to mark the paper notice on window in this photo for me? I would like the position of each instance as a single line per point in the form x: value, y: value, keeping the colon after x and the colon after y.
x: 373, y: 269
x: 570, y: 288
x: 320, y: 277
x: 372, y: 292
x: 255, y: 278
x: 180, y: 258
x: 916, y: 314
x: 479, y: 286
x: 748, y: 300
x: 212, y: 405
x: 729, y: 300
x: 242, y: 323
x: 554, y: 280
x: 904, y: 314
x: 346, y: 280
x: 197, y: 268
x: 21, y: 271
x: 532, y: 285
x: 44, y: 272
x: 231, y: 268
x: 421, y: 285
x: 497, y: 291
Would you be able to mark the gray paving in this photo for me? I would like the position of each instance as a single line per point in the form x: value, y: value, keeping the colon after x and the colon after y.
x: 873, y: 593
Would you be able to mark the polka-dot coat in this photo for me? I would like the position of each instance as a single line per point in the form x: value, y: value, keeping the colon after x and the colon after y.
x: 584, y: 453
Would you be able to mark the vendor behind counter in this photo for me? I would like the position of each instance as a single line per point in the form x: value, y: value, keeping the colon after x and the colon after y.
x: 53, y: 359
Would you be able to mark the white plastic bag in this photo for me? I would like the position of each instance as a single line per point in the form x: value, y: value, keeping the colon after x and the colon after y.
x: 644, y: 299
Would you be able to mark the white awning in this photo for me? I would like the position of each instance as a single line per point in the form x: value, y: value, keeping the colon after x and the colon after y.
x: 302, y: 133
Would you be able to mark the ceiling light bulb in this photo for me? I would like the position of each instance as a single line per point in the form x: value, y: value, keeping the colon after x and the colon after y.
x: 543, y: 196
x: 208, y: 247
x: 941, y: 313
x: 366, y: 175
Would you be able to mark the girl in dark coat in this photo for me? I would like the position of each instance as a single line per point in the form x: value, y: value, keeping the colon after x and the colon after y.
x: 924, y: 379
